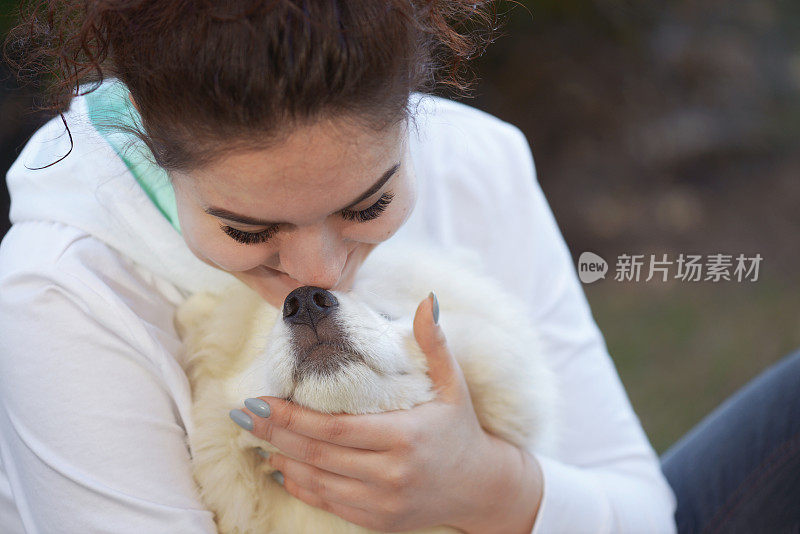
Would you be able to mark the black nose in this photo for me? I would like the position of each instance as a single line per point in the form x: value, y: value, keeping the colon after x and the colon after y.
x: 308, y: 305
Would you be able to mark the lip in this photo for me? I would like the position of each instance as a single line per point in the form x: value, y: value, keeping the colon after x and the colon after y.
x: 284, y: 278
x: 293, y: 284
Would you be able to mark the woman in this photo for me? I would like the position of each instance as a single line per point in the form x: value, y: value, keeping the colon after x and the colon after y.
x: 288, y: 142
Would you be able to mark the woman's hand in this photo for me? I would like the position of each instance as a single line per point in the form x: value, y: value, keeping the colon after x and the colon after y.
x: 406, y: 469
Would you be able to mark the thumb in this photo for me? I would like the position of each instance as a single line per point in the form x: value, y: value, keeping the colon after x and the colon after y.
x: 443, y: 368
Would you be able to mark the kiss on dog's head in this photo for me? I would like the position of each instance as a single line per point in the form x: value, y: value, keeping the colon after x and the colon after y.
x: 352, y: 352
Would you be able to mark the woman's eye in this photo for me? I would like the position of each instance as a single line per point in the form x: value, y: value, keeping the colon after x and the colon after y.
x: 372, y: 212
x: 249, y: 238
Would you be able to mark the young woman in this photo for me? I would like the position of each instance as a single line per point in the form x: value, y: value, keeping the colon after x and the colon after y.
x: 288, y: 140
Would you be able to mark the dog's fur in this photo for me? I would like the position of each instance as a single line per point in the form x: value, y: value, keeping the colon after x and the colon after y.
x: 238, y: 346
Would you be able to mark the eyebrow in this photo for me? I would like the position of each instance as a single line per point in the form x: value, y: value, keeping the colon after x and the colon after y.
x: 244, y: 219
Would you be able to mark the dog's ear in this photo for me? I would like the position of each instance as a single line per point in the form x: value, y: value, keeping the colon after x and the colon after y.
x: 416, y: 255
x: 468, y: 258
x: 193, y: 313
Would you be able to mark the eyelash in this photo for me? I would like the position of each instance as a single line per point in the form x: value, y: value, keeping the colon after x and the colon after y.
x: 372, y: 212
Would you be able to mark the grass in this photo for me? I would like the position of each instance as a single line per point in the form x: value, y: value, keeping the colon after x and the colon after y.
x: 682, y: 348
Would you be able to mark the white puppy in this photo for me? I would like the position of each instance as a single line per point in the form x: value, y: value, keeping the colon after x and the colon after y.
x: 352, y: 352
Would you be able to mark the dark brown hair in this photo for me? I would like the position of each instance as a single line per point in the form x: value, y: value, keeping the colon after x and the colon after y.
x: 210, y: 77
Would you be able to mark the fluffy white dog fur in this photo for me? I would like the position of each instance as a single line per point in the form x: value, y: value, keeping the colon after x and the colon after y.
x: 238, y: 346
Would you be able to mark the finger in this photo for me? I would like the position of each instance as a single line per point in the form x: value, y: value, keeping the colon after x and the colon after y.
x: 443, y: 368
x: 346, y: 461
x: 366, y: 431
x: 353, y: 514
x: 326, y: 485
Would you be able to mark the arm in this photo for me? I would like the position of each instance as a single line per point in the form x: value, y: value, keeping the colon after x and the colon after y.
x: 90, y: 431
x: 605, y: 476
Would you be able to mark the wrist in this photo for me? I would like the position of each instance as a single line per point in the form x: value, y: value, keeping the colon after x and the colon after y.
x: 511, y: 494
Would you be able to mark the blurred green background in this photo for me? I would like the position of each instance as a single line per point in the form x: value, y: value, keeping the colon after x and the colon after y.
x: 657, y: 127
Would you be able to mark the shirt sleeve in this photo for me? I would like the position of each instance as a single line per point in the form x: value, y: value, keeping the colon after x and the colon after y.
x: 90, y: 435
x: 605, y: 476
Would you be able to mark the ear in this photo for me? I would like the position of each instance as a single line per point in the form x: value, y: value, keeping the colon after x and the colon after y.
x: 130, y: 96
x: 191, y: 315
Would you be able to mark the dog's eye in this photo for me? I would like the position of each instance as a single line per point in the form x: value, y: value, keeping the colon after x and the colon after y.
x: 386, y: 316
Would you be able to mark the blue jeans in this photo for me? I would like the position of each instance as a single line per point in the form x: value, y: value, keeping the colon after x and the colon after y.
x: 738, y: 470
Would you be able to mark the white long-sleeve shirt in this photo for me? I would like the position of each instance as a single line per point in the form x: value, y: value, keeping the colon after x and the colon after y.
x: 94, y: 404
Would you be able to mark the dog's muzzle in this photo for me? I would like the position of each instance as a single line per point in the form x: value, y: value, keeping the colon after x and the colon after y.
x: 319, y: 341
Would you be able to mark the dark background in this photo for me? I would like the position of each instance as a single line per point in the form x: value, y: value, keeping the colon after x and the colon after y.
x: 670, y: 127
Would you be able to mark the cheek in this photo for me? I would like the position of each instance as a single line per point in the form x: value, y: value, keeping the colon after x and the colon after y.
x: 210, y: 244
x: 228, y: 255
x: 390, y: 220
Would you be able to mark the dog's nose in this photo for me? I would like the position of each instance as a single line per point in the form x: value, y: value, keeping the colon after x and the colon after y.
x: 308, y: 305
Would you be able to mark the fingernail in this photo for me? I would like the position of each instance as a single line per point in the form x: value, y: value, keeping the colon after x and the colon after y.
x: 435, y: 307
x: 257, y: 406
x: 261, y: 452
x: 241, y: 419
x: 278, y: 476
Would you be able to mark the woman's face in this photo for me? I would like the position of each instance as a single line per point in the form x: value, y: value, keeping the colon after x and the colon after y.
x: 307, y: 211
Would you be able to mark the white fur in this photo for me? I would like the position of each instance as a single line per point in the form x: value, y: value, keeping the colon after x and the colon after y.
x: 238, y: 346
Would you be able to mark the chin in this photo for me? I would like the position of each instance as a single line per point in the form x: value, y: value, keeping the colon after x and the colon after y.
x: 352, y: 352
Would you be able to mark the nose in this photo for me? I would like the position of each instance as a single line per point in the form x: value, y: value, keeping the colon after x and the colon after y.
x: 314, y: 255
x: 308, y: 305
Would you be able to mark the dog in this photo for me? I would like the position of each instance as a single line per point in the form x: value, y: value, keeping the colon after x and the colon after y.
x: 360, y: 356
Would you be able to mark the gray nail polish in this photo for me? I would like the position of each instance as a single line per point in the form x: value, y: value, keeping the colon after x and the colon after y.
x: 241, y: 419
x: 257, y: 406
x: 278, y: 476
x: 435, y: 307
x: 261, y: 452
